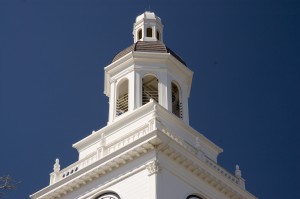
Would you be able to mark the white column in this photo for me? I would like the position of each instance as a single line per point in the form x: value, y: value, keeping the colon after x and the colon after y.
x: 169, y: 93
x: 137, y: 90
x: 185, y: 106
x: 112, y: 101
x: 153, y: 170
x: 154, y: 33
x: 131, y: 91
x: 163, y: 89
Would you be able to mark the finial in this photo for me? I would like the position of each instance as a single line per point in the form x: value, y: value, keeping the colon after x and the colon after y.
x: 198, y: 143
x: 149, y: 5
x: 238, y: 172
x: 155, y: 107
x: 56, y: 166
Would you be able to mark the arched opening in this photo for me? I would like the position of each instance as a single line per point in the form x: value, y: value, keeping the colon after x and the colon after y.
x: 157, y: 35
x: 140, y: 33
x: 109, y: 195
x: 149, y: 89
x: 149, y: 32
x: 176, y: 101
x: 122, y: 98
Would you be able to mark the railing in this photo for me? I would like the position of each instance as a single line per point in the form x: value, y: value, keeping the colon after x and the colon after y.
x: 179, y: 141
x: 78, y: 165
x: 131, y: 137
x: 112, y: 147
x: 212, y: 164
x: 222, y: 171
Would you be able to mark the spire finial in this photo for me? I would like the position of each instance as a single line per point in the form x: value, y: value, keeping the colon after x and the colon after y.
x: 149, y: 6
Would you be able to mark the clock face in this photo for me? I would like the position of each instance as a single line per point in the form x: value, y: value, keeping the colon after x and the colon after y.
x: 108, y: 196
x: 193, y: 197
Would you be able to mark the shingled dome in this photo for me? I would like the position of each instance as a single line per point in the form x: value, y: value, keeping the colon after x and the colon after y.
x: 148, y: 46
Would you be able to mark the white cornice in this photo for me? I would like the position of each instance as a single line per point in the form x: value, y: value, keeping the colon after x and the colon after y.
x: 163, y: 142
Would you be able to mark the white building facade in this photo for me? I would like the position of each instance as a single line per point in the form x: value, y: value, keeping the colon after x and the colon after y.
x: 147, y: 150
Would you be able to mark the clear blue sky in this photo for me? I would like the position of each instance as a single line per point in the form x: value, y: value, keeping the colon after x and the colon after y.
x: 245, y: 55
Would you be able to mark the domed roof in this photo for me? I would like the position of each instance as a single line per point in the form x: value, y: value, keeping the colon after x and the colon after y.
x: 148, y: 46
x: 147, y: 15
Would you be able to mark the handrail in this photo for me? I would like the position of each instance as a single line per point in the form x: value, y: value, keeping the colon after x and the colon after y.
x: 222, y: 171
x: 93, y: 157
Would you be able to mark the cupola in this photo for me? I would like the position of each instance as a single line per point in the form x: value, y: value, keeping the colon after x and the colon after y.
x: 147, y: 70
x: 147, y: 27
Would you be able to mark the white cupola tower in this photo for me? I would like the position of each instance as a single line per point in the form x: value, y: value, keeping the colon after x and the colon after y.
x: 148, y: 149
x: 146, y: 70
x: 148, y: 27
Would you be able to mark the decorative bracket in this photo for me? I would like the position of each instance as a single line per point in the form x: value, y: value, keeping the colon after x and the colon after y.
x: 153, y: 167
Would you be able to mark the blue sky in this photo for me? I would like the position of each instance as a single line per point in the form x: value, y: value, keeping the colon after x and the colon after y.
x: 244, y: 97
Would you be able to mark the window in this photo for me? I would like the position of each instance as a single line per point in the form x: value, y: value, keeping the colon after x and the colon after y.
x: 108, y: 196
x: 140, y: 34
x: 122, y: 98
x: 149, y: 89
x: 193, y: 197
x: 157, y: 35
x: 176, y: 102
x: 149, y: 32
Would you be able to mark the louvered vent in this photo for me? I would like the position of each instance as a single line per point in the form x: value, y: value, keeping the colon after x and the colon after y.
x: 148, y: 94
x: 122, y: 105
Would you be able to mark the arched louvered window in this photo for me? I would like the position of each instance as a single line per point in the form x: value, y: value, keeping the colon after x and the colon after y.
x: 109, y: 195
x: 176, y: 100
x: 140, y: 33
x: 122, y: 97
x: 149, y: 89
x: 149, y: 32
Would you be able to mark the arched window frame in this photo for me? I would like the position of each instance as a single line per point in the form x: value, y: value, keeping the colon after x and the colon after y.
x: 179, y: 105
x: 108, y: 195
x: 139, y: 34
x: 122, y: 107
x: 154, y: 95
x: 149, y: 32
